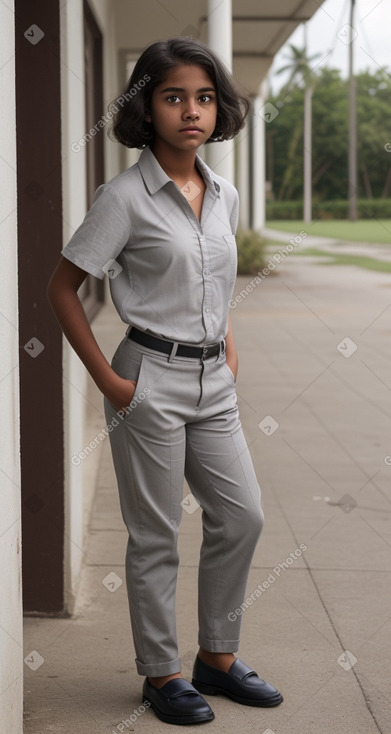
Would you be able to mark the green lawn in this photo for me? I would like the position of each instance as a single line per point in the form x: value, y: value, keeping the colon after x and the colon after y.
x: 368, y: 263
x: 366, y: 230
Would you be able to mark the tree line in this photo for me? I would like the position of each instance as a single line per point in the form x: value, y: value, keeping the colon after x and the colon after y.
x: 284, y: 138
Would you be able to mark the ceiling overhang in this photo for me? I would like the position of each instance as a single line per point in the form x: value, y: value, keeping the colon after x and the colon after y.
x: 259, y: 29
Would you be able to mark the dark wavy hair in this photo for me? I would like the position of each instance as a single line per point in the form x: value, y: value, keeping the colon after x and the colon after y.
x: 127, y: 111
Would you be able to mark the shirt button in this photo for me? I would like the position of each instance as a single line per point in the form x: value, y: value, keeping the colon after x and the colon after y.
x: 207, y: 310
x: 206, y: 272
x: 202, y: 238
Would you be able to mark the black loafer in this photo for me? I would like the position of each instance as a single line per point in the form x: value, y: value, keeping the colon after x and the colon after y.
x: 177, y: 702
x: 241, y: 683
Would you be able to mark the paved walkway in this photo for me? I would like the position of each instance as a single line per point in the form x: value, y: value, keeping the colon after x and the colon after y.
x: 321, y: 628
x: 332, y: 245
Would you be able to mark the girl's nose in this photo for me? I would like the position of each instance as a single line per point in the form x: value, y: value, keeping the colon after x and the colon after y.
x: 191, y: 111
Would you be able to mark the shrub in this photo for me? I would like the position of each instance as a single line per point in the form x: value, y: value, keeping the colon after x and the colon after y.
x: 251, y: 252
x: 337, y: 209
x: 284, y: 210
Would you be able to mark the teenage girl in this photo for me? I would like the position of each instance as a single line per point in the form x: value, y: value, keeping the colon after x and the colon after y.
x: 164, y: 232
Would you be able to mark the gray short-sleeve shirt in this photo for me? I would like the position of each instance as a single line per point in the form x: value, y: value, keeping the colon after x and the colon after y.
x: 170, y: 274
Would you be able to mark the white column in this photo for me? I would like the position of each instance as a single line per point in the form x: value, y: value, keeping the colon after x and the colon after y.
x: 11, y: 640
x: 258, y: 168
x: 243, y: 175
x: 74, y: 209
x: 221, y: 155
x: 130, y: 155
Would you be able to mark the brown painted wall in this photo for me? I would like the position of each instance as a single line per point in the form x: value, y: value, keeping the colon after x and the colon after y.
x: 38, y: 127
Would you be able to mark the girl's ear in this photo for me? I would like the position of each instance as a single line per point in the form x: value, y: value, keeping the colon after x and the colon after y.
x: 147, y: 116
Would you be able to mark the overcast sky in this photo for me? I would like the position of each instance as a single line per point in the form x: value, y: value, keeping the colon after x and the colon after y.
x: 372, y: 47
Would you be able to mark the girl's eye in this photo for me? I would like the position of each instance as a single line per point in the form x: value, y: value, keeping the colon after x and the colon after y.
x: 203, y: 98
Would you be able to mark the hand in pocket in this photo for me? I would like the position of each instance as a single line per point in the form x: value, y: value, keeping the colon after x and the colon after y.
x: 120, y: 392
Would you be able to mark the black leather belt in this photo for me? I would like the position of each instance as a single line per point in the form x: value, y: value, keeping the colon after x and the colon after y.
x: 183, y: 350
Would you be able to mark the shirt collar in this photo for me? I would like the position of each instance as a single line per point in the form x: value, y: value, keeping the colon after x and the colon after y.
x: 155, y: 178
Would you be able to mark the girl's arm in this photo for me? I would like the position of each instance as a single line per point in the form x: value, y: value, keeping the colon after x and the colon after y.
x: 231, y: 353
x: 62, y: 294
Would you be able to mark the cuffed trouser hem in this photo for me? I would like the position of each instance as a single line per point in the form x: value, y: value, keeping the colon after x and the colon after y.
x: 154, y: 670
x: 218, y: 645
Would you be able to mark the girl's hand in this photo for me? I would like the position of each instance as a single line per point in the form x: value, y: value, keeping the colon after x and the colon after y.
x: 120, y: 392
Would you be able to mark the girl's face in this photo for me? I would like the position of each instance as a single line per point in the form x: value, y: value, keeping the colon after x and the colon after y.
x: 184, y: 108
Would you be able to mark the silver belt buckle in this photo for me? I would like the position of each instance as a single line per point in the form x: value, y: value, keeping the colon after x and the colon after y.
x: 205, y: 351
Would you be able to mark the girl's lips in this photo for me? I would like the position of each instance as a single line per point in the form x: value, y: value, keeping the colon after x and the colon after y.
x: 190, y: 130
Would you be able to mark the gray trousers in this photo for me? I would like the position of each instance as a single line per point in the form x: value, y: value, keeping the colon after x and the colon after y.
x: 182, y: 422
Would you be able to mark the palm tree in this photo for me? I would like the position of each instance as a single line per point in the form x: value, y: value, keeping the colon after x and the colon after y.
x: 301, y: 73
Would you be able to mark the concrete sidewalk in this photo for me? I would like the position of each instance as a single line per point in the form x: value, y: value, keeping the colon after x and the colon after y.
x: 320, y: 455
x: 332, y: 245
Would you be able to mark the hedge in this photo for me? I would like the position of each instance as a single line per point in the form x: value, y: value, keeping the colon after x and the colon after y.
x: 366, y: 208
